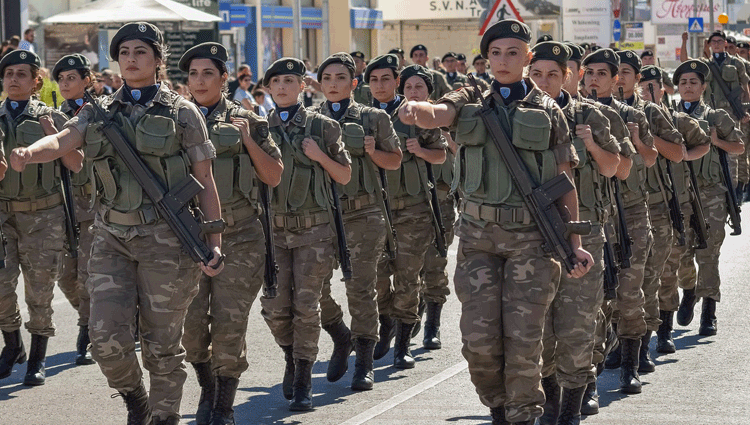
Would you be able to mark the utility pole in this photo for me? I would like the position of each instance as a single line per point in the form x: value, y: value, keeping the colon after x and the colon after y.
x: 710, y: 16
x: 326, y: 34
x: 297, y: 30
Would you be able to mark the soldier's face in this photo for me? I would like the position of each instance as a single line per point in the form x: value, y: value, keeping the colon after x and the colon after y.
x: 19, y: 81
x: 205, y: 81
x: 648, y: 60
x: 285, y: 89
x: 415, y: 89
x: 461, y: 67
x: 744, y: 53
x: 419, y: 57
x: 731, y: 48
x: 337, y: 83
x: 71, y: 84
x: 717, y: 44
x: 646, y: 93
x: 480, y: 66
x: 138, y: 63
x: 573, y: 78
x: 359, y: 65
x: 508, y: 57
x: 450, y: 64
x: 628, y: 78
x: 690, y: 87
x: 383, y: 84
x: 548, y: 76
x: 599, y: 77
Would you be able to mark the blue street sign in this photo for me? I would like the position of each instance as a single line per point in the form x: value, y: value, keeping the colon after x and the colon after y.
x: 616, y: 30
x: 695, y: 24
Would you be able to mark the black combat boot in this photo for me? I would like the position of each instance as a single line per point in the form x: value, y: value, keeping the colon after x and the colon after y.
x: 708, y: 317
x: 288, y: 381
x: 570, y: 411
x: 302, y: 399
x: 645, y: 364
x: 170, y: 420
x: 364, y: 377
x: 402, y: 358
x: 551, y: 401
x: 630, y: 382
x: 590, y: 404
x: 13, y: 352
x: 35, y: 374
x: 664, y: 341
x: 687, y: 304
x: 207, y: 382
x: 387, y: 332
x: 498, y: 416
x: 136, y: 401
x: 420, y: 311
x: 342, y: 347
x: 614, y: 358
x: 226, y: 388
x: 432, y: 327
x: 83, y: 356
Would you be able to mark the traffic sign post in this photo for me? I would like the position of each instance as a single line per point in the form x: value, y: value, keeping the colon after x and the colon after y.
x: 616, y: 30
x: 695, y: 24
x: 503, y: 9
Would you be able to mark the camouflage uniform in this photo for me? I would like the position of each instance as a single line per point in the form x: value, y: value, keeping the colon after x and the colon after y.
x: 224, y: 301
x: 743, y: 159
x: 412, y: 219
x: 363, y: 219
x: 440, y: 85
x: 434, y: 276
x: 303, y: 231
x: 570, y: 325
x: 504, y: 279
x: 361, y: 94
x: 32, y: 222
x: 136, y: 265
x: 457, y: 80
x: 74, y: 271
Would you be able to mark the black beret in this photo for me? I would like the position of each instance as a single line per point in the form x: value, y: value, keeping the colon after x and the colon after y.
x: 209, y: 50
x: 449, y: 55
x: 357, y: 54
x: 415, y: 70
x: 650, y: 72
x: 553, y: 51
x: 545, y: 37
x: 397, y: 51
x: 607, y: 56
x: 284, y: 66
x: 19, y: 57
x: 476, y: 58
x: 631, y: 58
x: 717, y: 33
x: 576, y: 51
x: 134, y: 31
x: 340, y: 57
x: 693, y: 65
x: 69, y: 62
x: 585, y: 46
x: 594, y: 48
x: 461, y: 57
x: 508, y: 28
x: 417, y: 48
x: 647, y: 53
x: 731, y: 40
x: 743, y: 45
x: 385, y: 61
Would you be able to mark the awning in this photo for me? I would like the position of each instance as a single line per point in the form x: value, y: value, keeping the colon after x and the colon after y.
x: 114, y: 11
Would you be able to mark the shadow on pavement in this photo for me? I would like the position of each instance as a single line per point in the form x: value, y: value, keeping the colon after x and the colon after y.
x: 460, y: 419
x: 54, y: 365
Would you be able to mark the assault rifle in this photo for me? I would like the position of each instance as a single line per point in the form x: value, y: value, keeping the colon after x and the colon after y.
x: 344, y: 255
x: 437, y: 221
x: 271, y: 268
x: 72, y: 229
x: 697, y: 220
x: 611, y: 266
x: 734, y: 97
x: 175, y: 205
x: 733, y: 205
x: 390, y: 241
x: 539, y: 199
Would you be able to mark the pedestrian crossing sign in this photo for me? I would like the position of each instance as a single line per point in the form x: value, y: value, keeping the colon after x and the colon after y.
x: 503, y: 9
x: 695, y: 24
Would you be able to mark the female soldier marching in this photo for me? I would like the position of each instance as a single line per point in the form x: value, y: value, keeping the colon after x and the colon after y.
x: 245, y: 154
x: 136, y: 265
x: 500, y: 257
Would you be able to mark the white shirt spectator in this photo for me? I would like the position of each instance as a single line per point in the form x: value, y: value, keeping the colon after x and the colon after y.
x: 26, y: 45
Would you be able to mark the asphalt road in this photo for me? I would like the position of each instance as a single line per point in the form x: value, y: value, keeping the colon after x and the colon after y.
x: 706, y: 382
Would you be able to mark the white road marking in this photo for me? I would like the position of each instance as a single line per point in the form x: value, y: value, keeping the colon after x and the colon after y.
x: 406, y: 395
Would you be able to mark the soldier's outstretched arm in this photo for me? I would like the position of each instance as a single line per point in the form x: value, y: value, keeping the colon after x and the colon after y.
x: 427, y: 115
x: 46, y: 149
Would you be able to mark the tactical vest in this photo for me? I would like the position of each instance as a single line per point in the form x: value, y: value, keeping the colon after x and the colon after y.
x: 593, y: 202
x: 80, y: 179
x: 407, y: 183
x: 362, y: 94
x: 633, y: 193
x: 303, y: 188
x: 443, y: 173
x: 353, y: 132
x: 233, y: 169
x: 708, y: 167
x: 480, y: 171
x: 731, y: 76
x: 154, y: 136
x: 36, y: 180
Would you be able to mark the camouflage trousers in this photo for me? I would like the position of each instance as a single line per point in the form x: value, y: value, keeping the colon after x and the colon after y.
x: 571, y: 322
x: 603, y: 320
x: 715, y: 210
x: 365, y: 237
x: 294, y: 315
x: 743, y: 159
x: 434, y: 277
x: 679, y: 271
x: 216, y: 321
x: 664, y: 238
x: 35, y: 247
x: 415, y: 234
x: 505, y: 283
x: 628, y: 306
x: 74, y: 271
x: 151, y: 276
